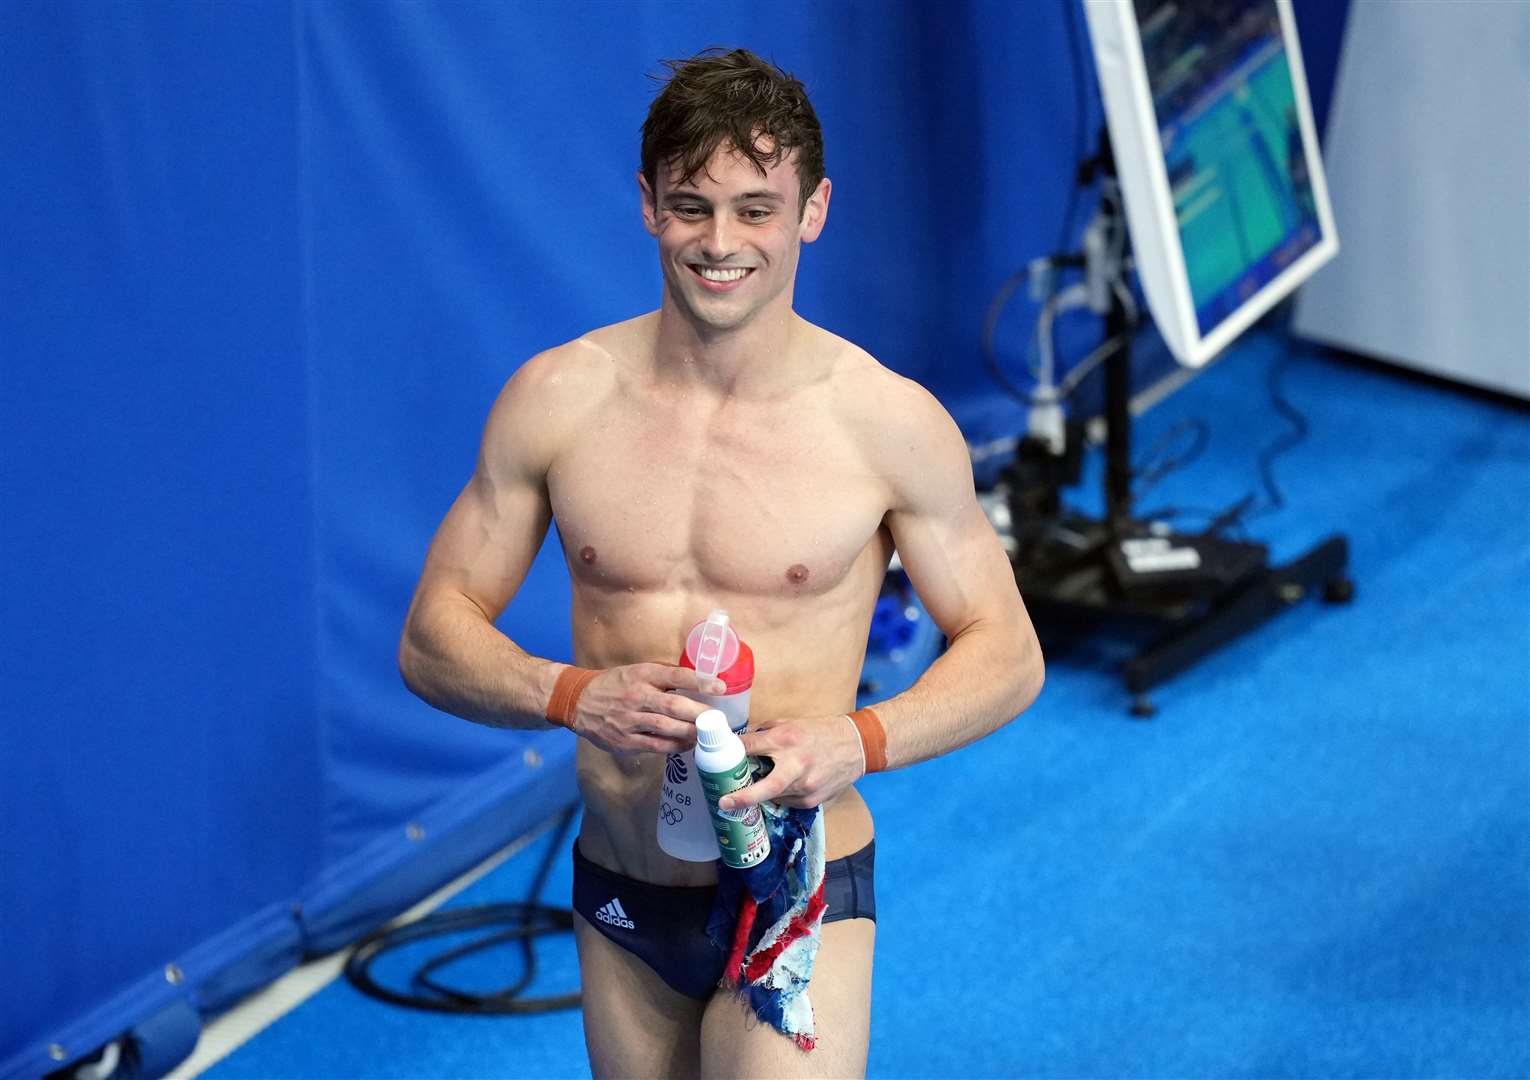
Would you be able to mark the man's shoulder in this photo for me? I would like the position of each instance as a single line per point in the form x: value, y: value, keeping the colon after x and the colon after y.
x: 904, y: 432
x: 869, y: 393
x: 576, y: 369
x: 555, y: 393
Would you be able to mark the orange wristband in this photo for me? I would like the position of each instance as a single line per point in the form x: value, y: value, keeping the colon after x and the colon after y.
x: 873, y: 739
x: 565, y: 696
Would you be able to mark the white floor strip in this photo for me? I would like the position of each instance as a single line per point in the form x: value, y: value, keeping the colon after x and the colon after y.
x: 231, y: 1030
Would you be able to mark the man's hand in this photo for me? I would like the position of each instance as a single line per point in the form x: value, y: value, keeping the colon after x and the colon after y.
x: 629, y: 710
x: 814, y: 760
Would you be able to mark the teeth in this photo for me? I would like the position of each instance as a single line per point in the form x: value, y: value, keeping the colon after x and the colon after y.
x: 721, y: 275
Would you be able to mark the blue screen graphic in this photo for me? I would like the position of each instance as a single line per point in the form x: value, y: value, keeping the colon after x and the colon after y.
x: 1226, y: 111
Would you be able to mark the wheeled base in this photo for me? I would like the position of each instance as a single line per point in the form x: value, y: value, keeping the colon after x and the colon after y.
x: 1189, y: 625
x: 1247, y: 606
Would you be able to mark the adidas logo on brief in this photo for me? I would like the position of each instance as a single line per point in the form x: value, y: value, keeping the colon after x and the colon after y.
x: 614, y: 915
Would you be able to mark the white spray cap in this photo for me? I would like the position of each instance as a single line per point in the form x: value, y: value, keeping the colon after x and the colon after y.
x: 712, y: 644
x: 712, y: 730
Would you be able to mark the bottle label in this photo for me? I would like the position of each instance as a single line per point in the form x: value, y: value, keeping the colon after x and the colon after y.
x: 673, y: 786
x: 742, y: 838
x: 734, y: 706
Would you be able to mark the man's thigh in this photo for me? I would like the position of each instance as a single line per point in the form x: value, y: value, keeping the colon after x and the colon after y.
x: 635, y: 1025
x: 735, y: 1043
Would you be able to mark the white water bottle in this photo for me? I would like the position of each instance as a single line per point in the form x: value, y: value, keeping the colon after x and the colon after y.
x: 742, y: 839
x: 714, y: 648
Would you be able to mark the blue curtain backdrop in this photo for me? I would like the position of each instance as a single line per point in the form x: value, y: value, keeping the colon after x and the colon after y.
x: 266, y: 266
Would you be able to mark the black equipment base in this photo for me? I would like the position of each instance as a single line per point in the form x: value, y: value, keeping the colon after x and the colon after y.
x: 1083, y: 574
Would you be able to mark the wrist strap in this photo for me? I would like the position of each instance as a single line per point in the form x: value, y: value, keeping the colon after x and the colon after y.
x: 873, y: 739
x: 565, y: 696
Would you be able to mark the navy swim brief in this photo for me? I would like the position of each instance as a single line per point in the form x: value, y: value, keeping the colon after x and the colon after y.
x: 665, y: 926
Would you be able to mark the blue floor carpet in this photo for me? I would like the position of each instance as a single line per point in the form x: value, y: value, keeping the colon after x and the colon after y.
x: 1312, y: 863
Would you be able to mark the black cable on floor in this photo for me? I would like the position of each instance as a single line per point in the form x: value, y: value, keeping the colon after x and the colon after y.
x: 1294, y: 437
x: 523, y: 922
x: 1233, y: 518
x: 1158, y: 463
x: 1249, y: 507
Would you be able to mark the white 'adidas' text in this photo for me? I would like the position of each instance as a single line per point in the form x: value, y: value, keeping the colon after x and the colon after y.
x: 615, y: 915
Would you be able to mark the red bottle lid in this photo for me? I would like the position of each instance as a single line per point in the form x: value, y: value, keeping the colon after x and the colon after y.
x: 721, y: 645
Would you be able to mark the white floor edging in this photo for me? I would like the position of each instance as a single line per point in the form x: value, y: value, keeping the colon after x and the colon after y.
x: 232, y: 1029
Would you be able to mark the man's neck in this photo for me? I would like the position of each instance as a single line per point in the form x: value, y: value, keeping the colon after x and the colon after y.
x: 754, y: 359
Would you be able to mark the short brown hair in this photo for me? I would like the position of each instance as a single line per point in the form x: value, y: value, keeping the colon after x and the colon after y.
x: 736, y: 99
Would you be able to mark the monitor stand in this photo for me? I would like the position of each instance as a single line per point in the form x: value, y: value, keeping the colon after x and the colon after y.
x: 1182, y: 594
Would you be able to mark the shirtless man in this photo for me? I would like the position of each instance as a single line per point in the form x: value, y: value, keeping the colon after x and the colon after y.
x: 720, y: 452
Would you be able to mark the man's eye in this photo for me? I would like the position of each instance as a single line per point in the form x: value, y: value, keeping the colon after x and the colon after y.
x: 685, y: 211
x: 756, y: 214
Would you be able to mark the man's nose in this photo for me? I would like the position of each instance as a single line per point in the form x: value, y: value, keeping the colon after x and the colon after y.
x: 720, y: 240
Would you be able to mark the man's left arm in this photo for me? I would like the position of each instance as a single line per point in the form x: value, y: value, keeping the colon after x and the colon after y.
x: 992, y: 668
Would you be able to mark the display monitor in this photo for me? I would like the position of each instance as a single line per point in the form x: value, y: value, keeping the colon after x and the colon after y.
x: 1217, y: 156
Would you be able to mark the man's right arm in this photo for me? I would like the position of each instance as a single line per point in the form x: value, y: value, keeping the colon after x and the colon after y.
x: 453, y: 656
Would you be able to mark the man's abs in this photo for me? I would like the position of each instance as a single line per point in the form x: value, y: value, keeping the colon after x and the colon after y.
x: 620, y: 829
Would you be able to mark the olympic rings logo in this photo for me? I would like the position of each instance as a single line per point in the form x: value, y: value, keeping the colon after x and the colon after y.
x: 672, y: 815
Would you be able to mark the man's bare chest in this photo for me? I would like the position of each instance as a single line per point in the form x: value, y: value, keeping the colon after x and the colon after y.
x: 760, y: 503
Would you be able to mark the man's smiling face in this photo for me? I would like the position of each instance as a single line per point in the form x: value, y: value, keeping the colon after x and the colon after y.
x: 729, y: 237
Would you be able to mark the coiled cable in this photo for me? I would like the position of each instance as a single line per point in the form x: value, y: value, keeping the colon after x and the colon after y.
x: 521, y: 922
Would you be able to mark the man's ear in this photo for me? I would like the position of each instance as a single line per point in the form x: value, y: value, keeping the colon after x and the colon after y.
x: 650, y: 209
x: 816, y: 212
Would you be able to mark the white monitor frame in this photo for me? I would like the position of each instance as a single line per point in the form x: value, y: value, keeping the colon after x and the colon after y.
x: 1144, y: 179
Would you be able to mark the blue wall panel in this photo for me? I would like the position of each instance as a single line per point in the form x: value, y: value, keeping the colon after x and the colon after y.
x: 160, y: 761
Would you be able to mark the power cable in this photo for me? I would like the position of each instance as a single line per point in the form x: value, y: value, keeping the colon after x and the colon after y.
x: 524, y: 922
x: 1153, y: 471
x: 990, y: 327
x: 1097, y: 356
x: 1248, y: 507
x: 1290, y: 440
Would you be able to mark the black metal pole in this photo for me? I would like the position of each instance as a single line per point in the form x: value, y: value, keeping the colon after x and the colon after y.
x: 1118, y: 365
x: 1118, y: 422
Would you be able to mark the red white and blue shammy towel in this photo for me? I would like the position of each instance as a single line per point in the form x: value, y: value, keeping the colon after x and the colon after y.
x: 768, y: 920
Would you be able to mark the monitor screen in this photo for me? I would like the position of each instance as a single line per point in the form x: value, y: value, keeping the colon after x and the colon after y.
x: 1217, y: 157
